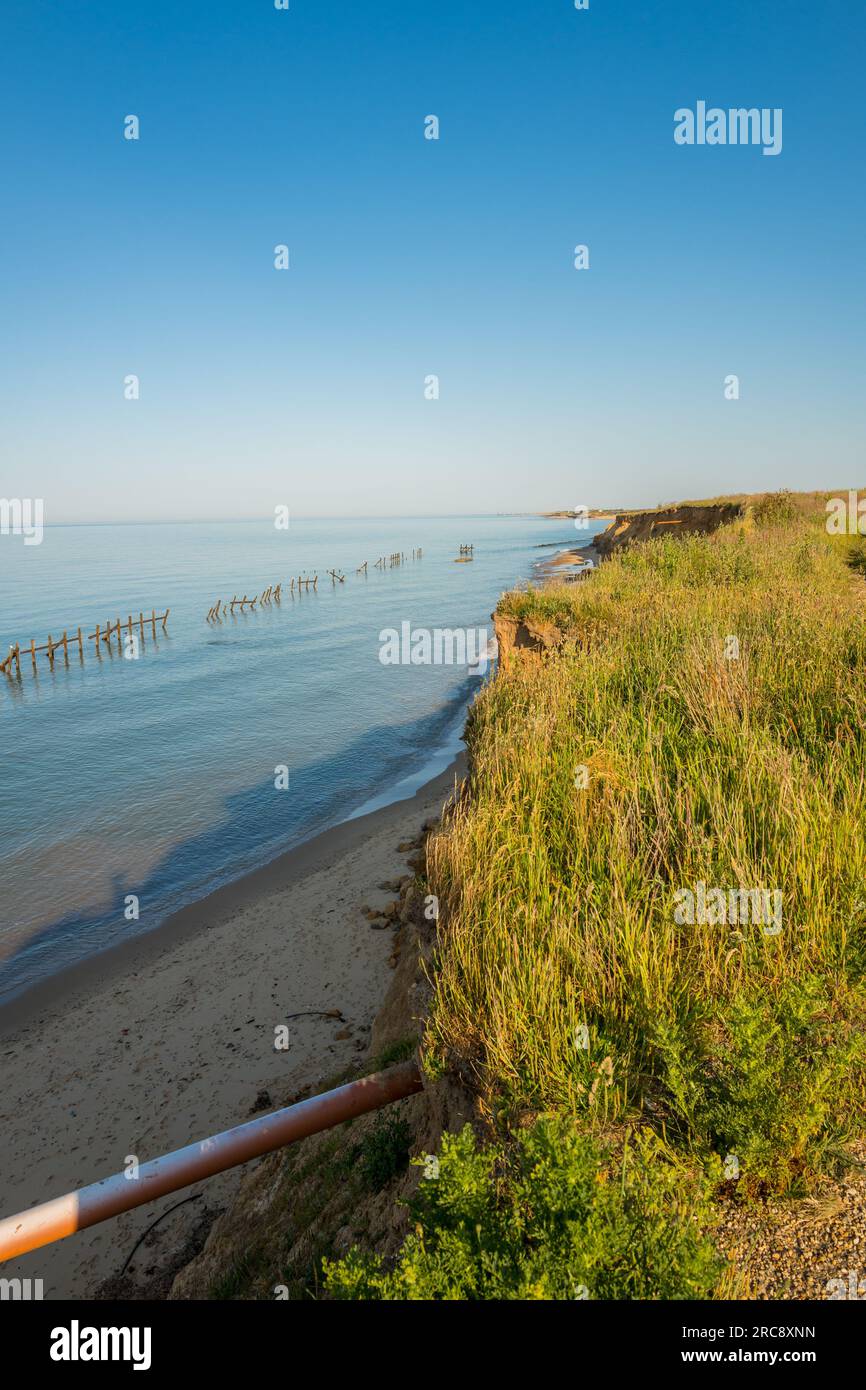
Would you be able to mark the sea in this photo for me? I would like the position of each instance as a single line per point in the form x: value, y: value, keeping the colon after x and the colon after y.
x: 134, y: 782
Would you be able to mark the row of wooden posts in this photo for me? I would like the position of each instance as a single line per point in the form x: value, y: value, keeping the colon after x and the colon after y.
x: 117, y: 628
x: 388, y: 561
x: 271, y: 594
x: 102, y: 634
x: 302, y: 582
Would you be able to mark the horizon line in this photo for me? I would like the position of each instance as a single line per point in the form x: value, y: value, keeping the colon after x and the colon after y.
x: 301, y: 516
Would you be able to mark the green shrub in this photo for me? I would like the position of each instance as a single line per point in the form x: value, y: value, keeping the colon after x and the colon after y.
x: 384, y: 1151
x: 778, y: 1082
x: 855, y: 553
x: 775, y: 508
x: 556, y: 1216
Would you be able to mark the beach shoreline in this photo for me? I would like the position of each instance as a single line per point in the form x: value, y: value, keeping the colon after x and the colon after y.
x: 169, y: 1037
x: 119, y: 958
x: 569, y: 564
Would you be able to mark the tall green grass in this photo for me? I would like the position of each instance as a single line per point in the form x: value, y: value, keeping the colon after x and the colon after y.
x: 563, y: 981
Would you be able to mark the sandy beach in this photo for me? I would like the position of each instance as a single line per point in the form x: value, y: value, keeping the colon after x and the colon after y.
x: 170, y: 1038
x: 570, y: 564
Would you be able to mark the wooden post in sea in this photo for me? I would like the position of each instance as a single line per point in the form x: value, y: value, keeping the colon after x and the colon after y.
x: 102, y: 634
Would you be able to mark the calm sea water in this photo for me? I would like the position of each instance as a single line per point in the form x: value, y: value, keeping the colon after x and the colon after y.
x: 155, y: 776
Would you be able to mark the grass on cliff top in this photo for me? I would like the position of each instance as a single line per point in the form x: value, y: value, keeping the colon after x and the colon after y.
x: 803, y: 502
x: 636, y: 763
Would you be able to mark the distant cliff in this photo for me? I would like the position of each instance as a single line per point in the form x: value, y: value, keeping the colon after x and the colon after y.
x: 678, y: 520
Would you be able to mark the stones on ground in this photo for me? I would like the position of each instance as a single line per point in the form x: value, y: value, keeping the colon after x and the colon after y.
x: 380, y: 917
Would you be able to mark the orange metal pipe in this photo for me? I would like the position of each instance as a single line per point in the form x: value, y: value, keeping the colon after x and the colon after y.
x: 76, y: 1211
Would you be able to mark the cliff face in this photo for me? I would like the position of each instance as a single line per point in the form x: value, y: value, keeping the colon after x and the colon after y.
x: 644, y: 526
x: 532, y: 637
x: 526, y: 635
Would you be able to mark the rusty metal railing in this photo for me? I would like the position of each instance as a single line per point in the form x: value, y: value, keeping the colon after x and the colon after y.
x: 54, y: 1220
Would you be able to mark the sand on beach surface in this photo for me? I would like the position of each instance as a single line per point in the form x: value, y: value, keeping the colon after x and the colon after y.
x: 568, y: 564
x: 171, y: 1038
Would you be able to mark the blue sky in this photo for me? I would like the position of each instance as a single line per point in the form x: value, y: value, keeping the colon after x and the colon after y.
x: 411, y: 257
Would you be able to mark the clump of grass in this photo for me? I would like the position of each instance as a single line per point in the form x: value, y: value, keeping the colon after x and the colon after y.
x: 564, y: 980
x: 384, y: 1151
x: 555, y: 1216
x: 775, y: 508
x: 400, y: 1051
x: 854, y: 551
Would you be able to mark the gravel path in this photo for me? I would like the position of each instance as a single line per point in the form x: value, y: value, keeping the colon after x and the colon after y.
x: 796, y: 1249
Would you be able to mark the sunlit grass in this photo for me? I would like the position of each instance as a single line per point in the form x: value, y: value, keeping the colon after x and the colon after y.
x: 557, y: 902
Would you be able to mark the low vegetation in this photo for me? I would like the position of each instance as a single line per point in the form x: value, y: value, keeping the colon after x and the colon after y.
x: 555, y: 1216
x: 701, y: 727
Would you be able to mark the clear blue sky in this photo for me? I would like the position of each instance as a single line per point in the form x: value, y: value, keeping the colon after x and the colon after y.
x: 411, y: 257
